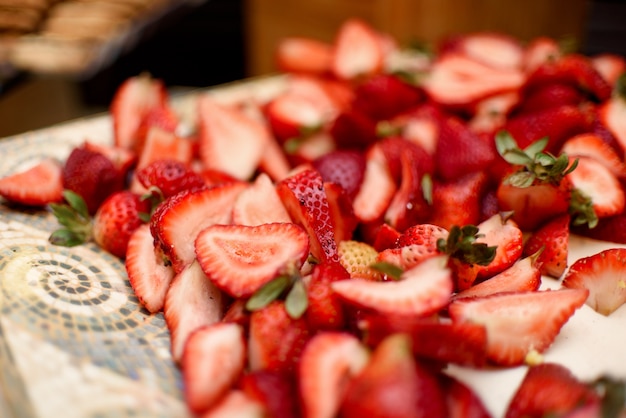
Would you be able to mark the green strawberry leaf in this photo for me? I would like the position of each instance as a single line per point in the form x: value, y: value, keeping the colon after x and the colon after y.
x: 296, y: 302
x: 461, y: 244
x: 390, y: 270
x: 66, y: 238
x: 268, y: 293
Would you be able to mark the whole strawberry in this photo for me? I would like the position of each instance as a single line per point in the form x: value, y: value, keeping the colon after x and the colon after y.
x: 91, y: 175
x: 169, y: 176
x: 116, y: 219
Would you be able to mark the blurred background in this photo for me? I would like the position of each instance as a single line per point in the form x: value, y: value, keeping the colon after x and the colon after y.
x: 65, y: 63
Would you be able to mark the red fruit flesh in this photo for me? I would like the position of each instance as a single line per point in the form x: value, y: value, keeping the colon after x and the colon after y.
x: 35, y: 186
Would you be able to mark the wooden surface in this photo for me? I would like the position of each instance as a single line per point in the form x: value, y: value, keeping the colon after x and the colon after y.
x: 267, y: 21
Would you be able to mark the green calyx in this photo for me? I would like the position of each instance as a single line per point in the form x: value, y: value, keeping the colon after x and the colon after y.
x: 461, y: 244
x: 75, y: 219
x: 288, y: 286
x: 535, y: 164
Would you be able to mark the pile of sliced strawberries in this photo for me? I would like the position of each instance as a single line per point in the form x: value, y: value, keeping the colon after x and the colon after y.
x: 329, y: 251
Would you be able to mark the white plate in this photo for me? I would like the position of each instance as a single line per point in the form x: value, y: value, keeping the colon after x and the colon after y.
x: 75, y: 343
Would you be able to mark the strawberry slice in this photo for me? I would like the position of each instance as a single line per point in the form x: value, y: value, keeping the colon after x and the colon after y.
x: 612, y: 111
x: 37, y: 185
x: 538, y: 51
x: 147, y: 273
x: 303, y: 55
x: 552, y: 239
x: 593, y: 146
x: 416, y: 244
x: 275, y: 339
x: 358, y: 50
x: 343, y: 167
x: 328, y: 362
x: 307, y: 204
x: 595, y: 181
x: 460, y: 201
x: 240, y: 259
x: 230, y: 140
x: 523, y: 275
x: 325, y: 310
x: 602, y: 274
x: 133, y: 99
x: 259, y: 204
x: 290, y: 115
x: 391, y: 374
x: 422, y: 290
x: 357, y: 258
x: 496, y: 50
x: 610, y: 66
x: 213, y: 359
x: 178, y: 220
x: 236, y: 403
x: 169, y: 176
x: 548, y: 96
x: 550, y: 389
x: 610, y: 229
x: 191, y: 302
x: 519, y: 323
x: 377, y: 189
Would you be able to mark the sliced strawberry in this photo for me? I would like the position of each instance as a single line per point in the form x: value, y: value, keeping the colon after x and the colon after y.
x: 230, y: 140
x: 496, y: 50
x: 213, y: 359
x: 35, y: 186
x: 574, y: 69
x: 352, y: 129
x: 550, y: 96
x: 384, y: 96
x: 610, y: 66
x: 162, y: 117
x: 191, y: 302
x: 386, y: 238
x: 456, y: 80
x: 274, y: 161
x: 460, y: 201
x: 178, y: 220
x: 169, y: 176
x: 602, y: 274
x: 416, y: 244
x: 538, y: 51
x: 132, y: 101
x: 147, y: 272
x: 341, y: 212
x: 612, y: 113
x: 303, y: 55
x: 306, y: 202
x: 519, y: 322
x: 344, y: 167
x: 610, y: 229
x: 523, y: 275
x: 259, y: 204
x: 552, y: 239
x: 392, y: 374
x: 491, y: 112
x: 434, y: 340
x: 240, y: 259
x: 91, y: 175
x: 597, y: 182
x: 276, y: 391
x: 328, y: 362
x: 358, y: 50
x: 357, y: 258
x: 462, y: 401
x: 303, y: 151
x: 116, y: 220
x: 592, y: 145
x: 292, y: 115
x: 325, y: 310
x: 460, y: 151
x: 549, y: 389
x: 422, y: 290
x: 377, y: 189
x: 276, y: 340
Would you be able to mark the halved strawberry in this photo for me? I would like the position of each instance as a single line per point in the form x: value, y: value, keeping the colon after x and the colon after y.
x: 611, y: 66
x: 37, y: 185
x: 358, y: 50
x: 303, y: 55
x: 377, y: 189
x: 230, y: 140
x: 274, y: 161
x: 459, y: 201
x: 550, y: 389
x: 191, y: 302
x: 240, y: 259
x: 552, y: 239
x: 213, y: 359
x: 341, y: 211
x: 613, y: 110
x: 148, y: 274
x: 496, y: 50
x: 169, y: 176
x: 259, y: 204
x: 392, y: 374
x: 305, y: 200
x: 595, y: 181
x: 162, y: 117
x: 519, y: 323
x: 178, y: 220
x: 416, y: 244
x: 292, y: 115
x: 344, y: 167
x: 327, y: 364
x: 422, y: 290
x: 133, y: 99
x: 523, y: 275
x: 594, y: 146
x: 602, y: 274
x: 275, y: 339
x: 539, y: 50
x: 357, y: 258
